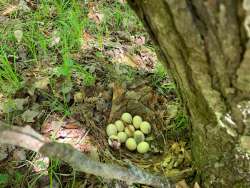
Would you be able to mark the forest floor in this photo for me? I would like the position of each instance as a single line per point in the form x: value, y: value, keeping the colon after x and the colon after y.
x: 68, y: 68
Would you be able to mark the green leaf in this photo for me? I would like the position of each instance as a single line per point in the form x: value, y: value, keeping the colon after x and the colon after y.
x: 4, y: 178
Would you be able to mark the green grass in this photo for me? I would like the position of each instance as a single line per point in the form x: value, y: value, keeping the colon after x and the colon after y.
x: 161, y: 80
x: 9, y: 79
x: 4, y: 179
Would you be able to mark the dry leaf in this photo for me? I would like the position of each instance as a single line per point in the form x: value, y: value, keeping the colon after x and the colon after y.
x: 122, y: 1
x: 196, y: 185
x: 181, y: 184
x: 67, y: 131
x: 42, y: 83
x: 19, y: 154
x: 19, y: 103
x: 86, y: 39
x: 18, y: 35
x: 95, y: 16
x: 29, y: 115
x: 9, y: 10
x: 55, y: 39
x: 139, y: 40
x: 3, y: 152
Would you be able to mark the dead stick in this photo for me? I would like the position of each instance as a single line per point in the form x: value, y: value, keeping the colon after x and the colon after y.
x: 28, y: 138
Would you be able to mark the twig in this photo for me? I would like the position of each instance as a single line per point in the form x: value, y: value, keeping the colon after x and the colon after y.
x: 26, y: 137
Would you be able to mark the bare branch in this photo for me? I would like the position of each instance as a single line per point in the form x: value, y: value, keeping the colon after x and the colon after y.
x: 26, y: 137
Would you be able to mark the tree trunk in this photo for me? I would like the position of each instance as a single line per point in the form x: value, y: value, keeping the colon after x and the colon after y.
x: 205, y: 46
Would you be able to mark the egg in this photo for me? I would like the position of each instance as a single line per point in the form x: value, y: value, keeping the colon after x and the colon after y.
x: 122, y: 137
x: 111, y: 130
x: 145, y: 127
x: 131, y: 144
x: 119, y: 125
x: 137, y: 120
x: 143, y: 147
x: 139, y: 136
x: 129, y: 130
x: 126, y: 117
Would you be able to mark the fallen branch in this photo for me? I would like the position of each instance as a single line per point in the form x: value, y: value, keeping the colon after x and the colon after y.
x: 28, y: 138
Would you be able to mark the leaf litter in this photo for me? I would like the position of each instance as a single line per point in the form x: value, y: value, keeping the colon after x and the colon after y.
x: 69, y: 111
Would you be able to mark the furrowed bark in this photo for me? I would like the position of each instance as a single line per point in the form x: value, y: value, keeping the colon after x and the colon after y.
x: 26, y: 137
x: 205, y: 48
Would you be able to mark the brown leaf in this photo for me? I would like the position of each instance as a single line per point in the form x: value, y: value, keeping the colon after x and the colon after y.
x: 71, y: 125
x: 51, y: 125
x: 95, y: 16
x: 122, y: 1
x: 196, y: 185
x: 19, y: 154
x: 42, y: 83
x: 3, y: 152
x: 181, y: 184
x: 67, y: 131
x: 70, y: 133
x: 140, y: 40
x: 9, y: 10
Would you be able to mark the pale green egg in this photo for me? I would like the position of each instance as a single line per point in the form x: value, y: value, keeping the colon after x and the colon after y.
x: 126, y: 117
x: 143, y: 147
x: 131, y: 144
x: 119, y: 125
x: 145, y: 127
x: 111, y: 130
x: 122, y: 137
x: 139, y: 136
x: 137, y: 120
x: 129, y: 130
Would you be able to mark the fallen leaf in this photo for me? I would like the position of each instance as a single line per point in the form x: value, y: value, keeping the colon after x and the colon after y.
x: 19, y: 103
x: 54, y: 41
x: 67, y: 131
x: 196, y: 185
x: 3, y: 152
x: 9, y: 10
x: 18, y: 35
x: 29, y: 115
x: 122, y: 1
x: 181, y: 184
x: 95, y: 16
x: 140, y: 40
x: 42, y: 83
x: 172, y: 110
x: 19, y: 154
x: 51, y: 126
x: 79, y: 97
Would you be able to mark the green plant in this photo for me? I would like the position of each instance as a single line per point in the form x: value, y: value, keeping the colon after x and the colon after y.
x: 53, y: 168
x: 88, y: 78
x: 4, y: 179
x: 69, y: 66
x: 181, y: 120
x: 118, y: 17
x: 161, y: 80
x: 9, y: 79
x: 57, y: 106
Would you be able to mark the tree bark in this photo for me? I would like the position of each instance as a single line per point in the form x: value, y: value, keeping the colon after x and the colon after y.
x: 205, y: 47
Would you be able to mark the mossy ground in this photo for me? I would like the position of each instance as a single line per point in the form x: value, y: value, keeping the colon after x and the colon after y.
x: 51, y: 50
